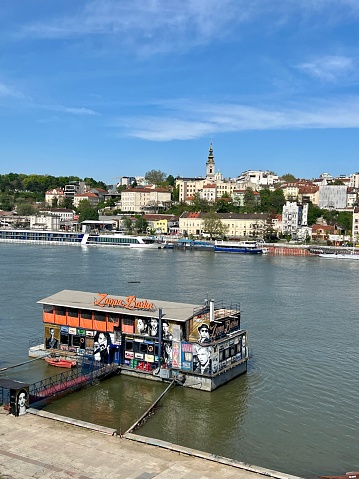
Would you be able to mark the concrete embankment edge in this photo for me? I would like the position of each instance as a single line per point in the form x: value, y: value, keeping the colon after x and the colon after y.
x: 165, y: 445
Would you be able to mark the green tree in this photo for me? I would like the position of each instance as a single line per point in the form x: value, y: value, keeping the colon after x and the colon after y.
x: 67, y: 203
x: 249, y: 201
x: 200, y: 204
x: 213, y: 226
x: 155, y: 177
x: 141, y: 224
x: 289, y: 178
x: 127, y: 224
x: 25, y: 208
x: 314, y: 212
x: 86, y: 211
x: 170, y: 180
x: 277, y: 200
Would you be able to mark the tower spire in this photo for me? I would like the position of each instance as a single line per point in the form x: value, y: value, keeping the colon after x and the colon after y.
x: 210, y: 164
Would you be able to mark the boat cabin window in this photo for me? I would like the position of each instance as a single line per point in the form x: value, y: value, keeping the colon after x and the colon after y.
x: 48, y: 308
x: 64, y: 338
x: 60, y: 311
x: 78, y: 341
x: 99, y: 316
x: 114, y: 318
x: 73, y: 313
x: 86, y: 314
x: 129, y: 346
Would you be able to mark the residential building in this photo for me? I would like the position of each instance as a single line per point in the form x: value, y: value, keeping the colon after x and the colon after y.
x: 333, y: 197
x: 74, y: 187
x: 45, y: 222
x: 260, y: 179
x: 355, y: 231
x: 238, y: 225
x: 294, y: 216
x: 65, y: 214
x: 55, y: 195
x: 162, y: 224
x: 92, y: 198
x: 138, y: 200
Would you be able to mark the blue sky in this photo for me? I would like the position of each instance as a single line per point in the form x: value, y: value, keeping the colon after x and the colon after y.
x: 109, y: 88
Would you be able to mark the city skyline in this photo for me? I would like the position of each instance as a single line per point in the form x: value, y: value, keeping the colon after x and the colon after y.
x: 110, y: 88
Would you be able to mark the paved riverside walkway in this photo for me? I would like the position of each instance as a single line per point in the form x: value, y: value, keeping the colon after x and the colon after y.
x: 46, y: 446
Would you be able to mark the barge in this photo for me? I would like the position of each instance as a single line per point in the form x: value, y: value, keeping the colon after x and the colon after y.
x: 199, y: 346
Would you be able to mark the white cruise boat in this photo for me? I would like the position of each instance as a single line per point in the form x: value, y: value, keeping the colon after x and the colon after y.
x: 121, y: 240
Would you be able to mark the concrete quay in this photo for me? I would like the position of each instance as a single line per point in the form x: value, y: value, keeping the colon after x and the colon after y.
x: 47, y: 446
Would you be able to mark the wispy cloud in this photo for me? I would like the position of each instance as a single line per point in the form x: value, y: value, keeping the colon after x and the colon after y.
x: 329, y: 68
x: 6, y: 91
x: 71, y: 110
x: 196, y: 120
x: 160, y: 25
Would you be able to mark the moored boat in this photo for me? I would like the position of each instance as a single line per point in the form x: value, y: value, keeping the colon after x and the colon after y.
x: 248, y: 247
x: 348, y: 475
x: 61, y: 362
x: 349, y: 256
x: 121, y: 240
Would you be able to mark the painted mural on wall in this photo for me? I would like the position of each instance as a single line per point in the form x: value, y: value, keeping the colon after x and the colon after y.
x: 52, y: 337
x: 103, y: 347
x: 150, y: 327
x: 202, y: 358
x: 204, y: 331
x: 22, y: 401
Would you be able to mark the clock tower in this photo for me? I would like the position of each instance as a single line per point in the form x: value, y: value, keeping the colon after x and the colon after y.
x: 210, y: 164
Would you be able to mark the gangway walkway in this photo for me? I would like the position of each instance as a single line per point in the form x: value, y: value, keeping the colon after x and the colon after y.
x: 86, y: 373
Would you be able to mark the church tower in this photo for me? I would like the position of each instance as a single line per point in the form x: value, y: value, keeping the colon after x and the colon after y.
x: 210, y: 164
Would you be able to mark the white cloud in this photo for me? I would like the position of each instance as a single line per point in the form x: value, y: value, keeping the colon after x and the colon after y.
x: 196, y: 120
x: 72, y: 111
x: 329, y: 68
x: 152, y: 26
x: 6, y: 91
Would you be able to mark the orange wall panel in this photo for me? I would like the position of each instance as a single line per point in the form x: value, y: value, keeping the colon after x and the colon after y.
x: 86, y: 323
x: 60, y: 319
x: 99, y: 325
x: 74, y: 322
x: 128, y: 328
x: 48, y: 317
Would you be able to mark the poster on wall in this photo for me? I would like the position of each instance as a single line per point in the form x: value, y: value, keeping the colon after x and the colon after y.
x: 52, y: 337
x: 202, y: 359
x: 102, y: 345
x: 176, y: 354
x: 187, y: 357
x: 19, y: 400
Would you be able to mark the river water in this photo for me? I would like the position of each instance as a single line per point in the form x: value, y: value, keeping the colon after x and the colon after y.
x: 296, y: 409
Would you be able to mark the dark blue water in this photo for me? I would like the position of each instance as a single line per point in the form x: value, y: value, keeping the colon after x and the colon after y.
x: 296, y: 410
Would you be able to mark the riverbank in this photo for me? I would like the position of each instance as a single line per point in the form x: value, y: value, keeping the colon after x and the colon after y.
x: 45, y: 445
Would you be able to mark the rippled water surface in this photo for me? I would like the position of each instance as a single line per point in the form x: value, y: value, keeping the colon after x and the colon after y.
x: 296, y: 410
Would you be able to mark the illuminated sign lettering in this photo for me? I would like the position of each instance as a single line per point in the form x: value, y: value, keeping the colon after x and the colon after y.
x: 128, y: 303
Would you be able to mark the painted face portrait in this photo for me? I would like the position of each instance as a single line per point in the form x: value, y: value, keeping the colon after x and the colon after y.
x: 153, y: 327
x: 203, y: 331
x: 141, y: 326
x: 166, y: 330
x: 21, y: 402
x: 203, y: 355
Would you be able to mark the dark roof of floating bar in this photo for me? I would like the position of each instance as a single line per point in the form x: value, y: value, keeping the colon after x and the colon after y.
x: 85, y: 300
